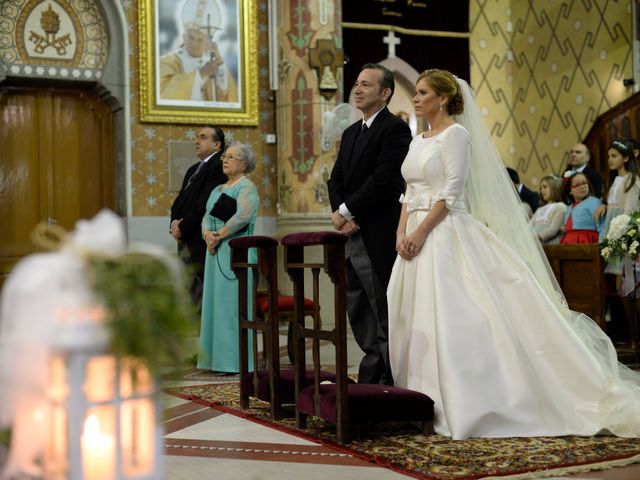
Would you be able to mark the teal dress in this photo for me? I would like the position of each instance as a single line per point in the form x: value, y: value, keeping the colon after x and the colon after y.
x: 219, y: 346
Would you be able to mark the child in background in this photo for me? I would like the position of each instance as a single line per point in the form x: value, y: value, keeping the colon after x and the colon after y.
x: 580, y: 225
x: 548, y: 218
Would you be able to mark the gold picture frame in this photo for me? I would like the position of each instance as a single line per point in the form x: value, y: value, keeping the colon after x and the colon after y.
x: 169, y: 93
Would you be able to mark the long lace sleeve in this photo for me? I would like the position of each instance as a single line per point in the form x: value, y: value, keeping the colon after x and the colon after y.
x: 207, y: 220
x: 205, y: 224
x: 248, y: 202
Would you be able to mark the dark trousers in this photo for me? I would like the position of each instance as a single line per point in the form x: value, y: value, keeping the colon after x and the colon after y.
x: 368, y: 314
x: 196, y: 274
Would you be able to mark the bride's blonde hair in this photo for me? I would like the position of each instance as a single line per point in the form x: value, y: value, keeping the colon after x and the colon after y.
x: 444, y: 83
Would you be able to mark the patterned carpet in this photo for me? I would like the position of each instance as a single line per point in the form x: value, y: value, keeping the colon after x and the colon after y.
x: 401, y: 448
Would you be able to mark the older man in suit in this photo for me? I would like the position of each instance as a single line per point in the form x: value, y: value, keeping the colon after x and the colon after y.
x: 189, y: 206
x: 364, y: 189
x: 578, y: 163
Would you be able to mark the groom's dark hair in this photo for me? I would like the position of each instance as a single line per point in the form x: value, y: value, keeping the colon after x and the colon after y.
x: 387, y: 77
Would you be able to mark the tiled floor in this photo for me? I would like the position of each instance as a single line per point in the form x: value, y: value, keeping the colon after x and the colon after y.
x: 204, y: 443
x: 201, y: 442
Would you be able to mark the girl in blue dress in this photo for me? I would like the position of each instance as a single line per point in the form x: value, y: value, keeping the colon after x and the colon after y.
x: 579, y: 223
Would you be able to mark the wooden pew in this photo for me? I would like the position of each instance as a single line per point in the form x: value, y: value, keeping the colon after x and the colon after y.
x: 622, y: 120
x: 579, y: 270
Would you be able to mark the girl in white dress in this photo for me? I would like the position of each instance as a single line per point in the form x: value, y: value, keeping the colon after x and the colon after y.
x: 624, y: 193
x: 623, y: 197
x: 476, y: 319
x: 547, y: 219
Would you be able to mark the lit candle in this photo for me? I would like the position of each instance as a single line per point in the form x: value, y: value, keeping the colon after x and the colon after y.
x: 98, y: 452
x: 138, y: 437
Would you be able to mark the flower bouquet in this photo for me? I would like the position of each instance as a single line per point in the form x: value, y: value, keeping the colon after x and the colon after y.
x: 623, y: 238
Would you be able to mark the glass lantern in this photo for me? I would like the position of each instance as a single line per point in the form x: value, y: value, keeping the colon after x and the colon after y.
x: 102, y: 419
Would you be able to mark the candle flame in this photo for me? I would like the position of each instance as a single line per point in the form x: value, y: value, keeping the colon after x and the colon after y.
x: 92, y: 426
x: 38, y: 415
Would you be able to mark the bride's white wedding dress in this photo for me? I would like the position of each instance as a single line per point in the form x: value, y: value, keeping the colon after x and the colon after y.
x: 472, y: 327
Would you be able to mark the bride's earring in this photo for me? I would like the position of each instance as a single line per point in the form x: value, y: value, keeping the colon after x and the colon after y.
x: 440, y: 107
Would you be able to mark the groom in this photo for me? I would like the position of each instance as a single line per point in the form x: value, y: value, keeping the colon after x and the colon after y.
x: 364, y: 189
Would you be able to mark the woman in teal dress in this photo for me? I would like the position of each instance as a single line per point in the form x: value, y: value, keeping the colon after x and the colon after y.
x: 219, y: 320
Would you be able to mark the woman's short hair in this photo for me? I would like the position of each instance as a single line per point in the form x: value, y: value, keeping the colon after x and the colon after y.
x: 555, y: 186
x: 444, y: 83
x: 246, y: 152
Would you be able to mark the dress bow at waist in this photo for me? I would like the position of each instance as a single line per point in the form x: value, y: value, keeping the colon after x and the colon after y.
x: 424, y: 201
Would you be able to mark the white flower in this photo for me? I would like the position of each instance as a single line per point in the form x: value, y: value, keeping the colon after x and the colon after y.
x: 623, y: 246
x: 606, y: 253
x: 631, y: 232
x: 618, y: 227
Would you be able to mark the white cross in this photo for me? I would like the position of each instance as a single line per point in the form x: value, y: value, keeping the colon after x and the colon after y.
x: 391, y: 40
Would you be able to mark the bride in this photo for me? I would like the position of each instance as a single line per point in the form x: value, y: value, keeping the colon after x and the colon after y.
x: 476, y: 318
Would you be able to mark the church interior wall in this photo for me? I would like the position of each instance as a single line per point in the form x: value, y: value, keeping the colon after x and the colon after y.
x: 305, y: 154
x: 542, y: 76
x: 150, y: 195
x: 544, y: 71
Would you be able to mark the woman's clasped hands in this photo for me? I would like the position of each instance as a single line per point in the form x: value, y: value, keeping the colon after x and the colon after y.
x: 212, y: 239
x: 408, y: 247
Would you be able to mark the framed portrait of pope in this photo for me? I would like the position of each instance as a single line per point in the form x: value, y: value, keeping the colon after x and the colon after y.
x: 198, y: 61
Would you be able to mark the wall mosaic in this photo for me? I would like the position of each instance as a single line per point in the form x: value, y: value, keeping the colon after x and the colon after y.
x: 544, y: 71
x: 53, y: 39
x: 149, y: 142
x: 306, y: 155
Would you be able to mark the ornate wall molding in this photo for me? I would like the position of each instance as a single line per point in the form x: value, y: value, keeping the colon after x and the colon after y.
x: 64, y: 39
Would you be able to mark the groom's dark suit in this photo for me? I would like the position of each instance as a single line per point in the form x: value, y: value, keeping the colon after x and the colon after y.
x: 366, y: 178
x: 190, y: 205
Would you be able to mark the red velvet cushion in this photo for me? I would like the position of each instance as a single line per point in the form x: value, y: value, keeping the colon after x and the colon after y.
x: 253, y: 241
x: 370, y: 403
x: 285, y: 303
x: 287, y: 384
x: 304, y: 239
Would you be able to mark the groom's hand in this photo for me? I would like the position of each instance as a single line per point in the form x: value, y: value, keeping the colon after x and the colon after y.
x: 349, y: 228
x: 338, y: 220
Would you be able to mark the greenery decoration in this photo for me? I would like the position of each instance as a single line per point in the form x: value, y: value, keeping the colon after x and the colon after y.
x: 149, y: 314
x: 623, y: 238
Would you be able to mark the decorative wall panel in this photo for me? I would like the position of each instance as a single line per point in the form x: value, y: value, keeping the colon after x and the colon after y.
x: 55, y: 39
x: 544, y: 71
